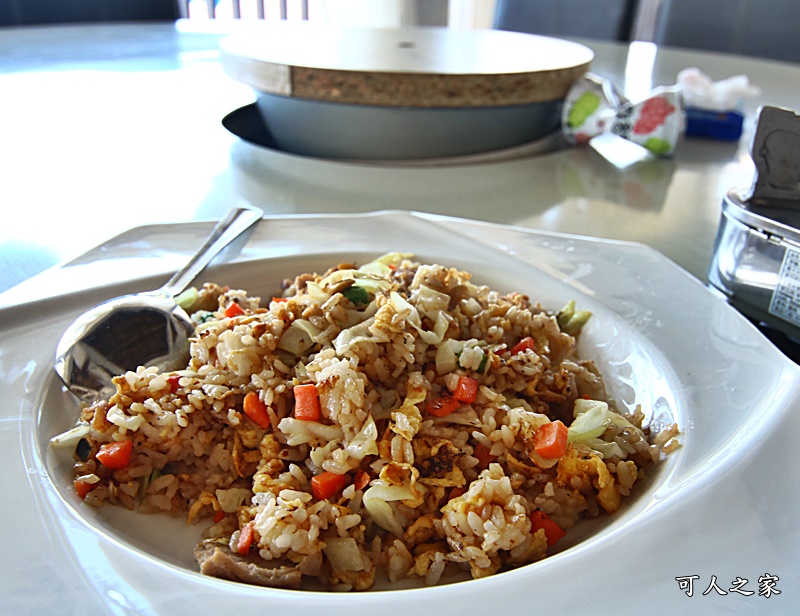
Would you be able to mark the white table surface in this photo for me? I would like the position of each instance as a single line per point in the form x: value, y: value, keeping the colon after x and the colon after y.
x: 107, y: 127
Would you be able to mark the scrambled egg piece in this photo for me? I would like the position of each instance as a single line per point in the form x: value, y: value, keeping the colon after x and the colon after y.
x: 586, y: 471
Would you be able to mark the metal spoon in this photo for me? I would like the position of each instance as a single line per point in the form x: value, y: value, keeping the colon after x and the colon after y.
x: 145, y: 329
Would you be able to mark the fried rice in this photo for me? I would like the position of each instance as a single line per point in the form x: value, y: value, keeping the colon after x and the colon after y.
x: 393, y: 420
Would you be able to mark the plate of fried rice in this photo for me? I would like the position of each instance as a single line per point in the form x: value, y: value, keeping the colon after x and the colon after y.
x: 424, y: 413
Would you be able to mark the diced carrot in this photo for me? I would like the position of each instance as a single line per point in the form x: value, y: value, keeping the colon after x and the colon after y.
x: 362, y: 480
x: 219, y: 515
x: 466, y: 390
x: 525, y: 344
x: 173, y: 383
x: 456, y: 491
x: 552, y: 531
x: 280, y: 299
x: 441, y: 406
x: 550, y: 440
x: 326, y: 484
x: 246, y: 536
x: 306, y: 402
x: 233, y: 310
x: 255, y: 409
x: 82, y: 487
x: 115, y: 455
x: 484, y: 455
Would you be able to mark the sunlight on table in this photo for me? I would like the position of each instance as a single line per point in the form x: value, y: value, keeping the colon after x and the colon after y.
x: 146, y: 121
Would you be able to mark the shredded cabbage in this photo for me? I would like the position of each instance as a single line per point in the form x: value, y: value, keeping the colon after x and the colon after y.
x: 591, y: 420
x: 316, y: 292
x: 411, y: 315
x: 364, y: 443
x: 447, y: 355
x: 71, y: 436
x: 343, y: 554
x: 604, y: 448
x: 430, y: 302
x: 541, y: 461
x: 471, y: 306
x: 299, y: 431
x: 375, y: 268
x: 353, y: 335
x: 231, y: 499
x: 371, y: 283
x: 370, y: 280
x: 394, y: 258
x: 299, y: 337
x: 396, y: 482
x: 227, y: 343
x: 592, y: 417
x: 375, y: 500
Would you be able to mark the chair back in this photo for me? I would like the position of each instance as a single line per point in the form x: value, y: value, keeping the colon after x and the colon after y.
x: 597, y: 19
x: 759, y: 28
x: 32, y: 12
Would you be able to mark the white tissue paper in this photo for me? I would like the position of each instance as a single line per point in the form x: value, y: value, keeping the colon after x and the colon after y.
x: 699, y: 90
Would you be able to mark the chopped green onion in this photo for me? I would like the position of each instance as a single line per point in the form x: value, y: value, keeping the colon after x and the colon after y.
x: 155, y: 474
x: 571, y: 321
x: 357, y: 295
x: 203, y: 316
x: 187, y: 299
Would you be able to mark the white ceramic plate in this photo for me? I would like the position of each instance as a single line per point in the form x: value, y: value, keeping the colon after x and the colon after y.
x: 720, y: 508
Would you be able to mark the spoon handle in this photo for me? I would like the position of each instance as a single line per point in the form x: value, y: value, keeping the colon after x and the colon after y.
x: 238, y: 220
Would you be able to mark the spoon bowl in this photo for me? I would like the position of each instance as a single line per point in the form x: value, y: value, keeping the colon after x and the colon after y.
x: 120, y: 335
x: 144, y: 329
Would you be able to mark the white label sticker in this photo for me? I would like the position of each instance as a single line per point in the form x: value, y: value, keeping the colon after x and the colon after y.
x: 786, y: 297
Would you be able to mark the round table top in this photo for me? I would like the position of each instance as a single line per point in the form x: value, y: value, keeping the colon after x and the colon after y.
x: 430, y: 67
